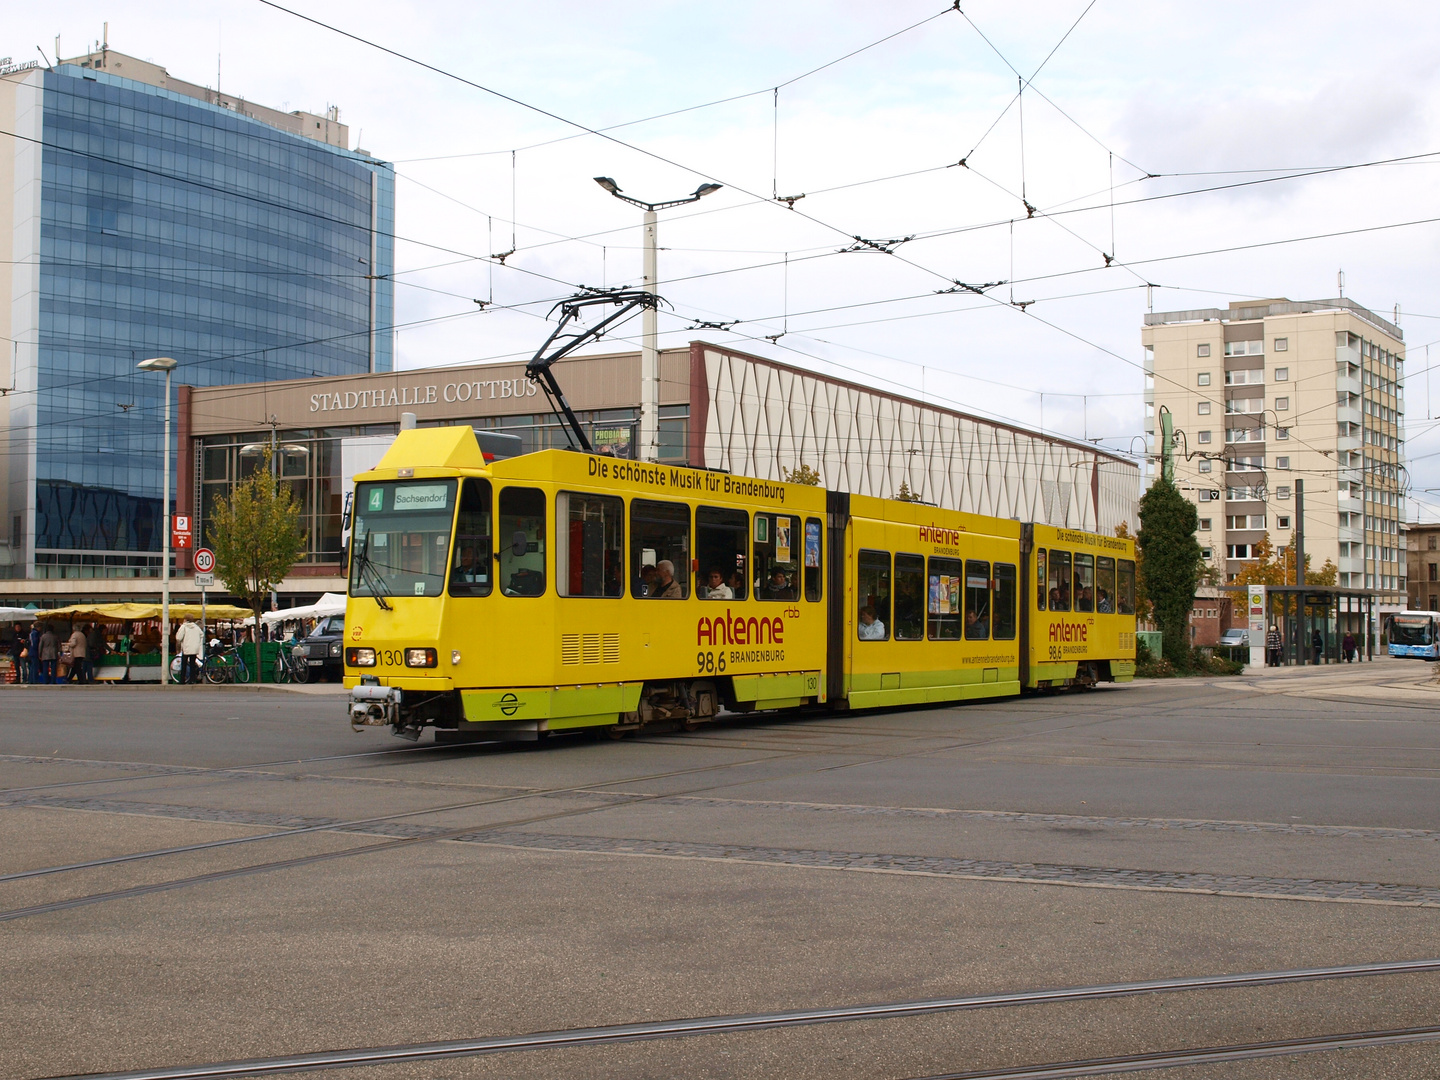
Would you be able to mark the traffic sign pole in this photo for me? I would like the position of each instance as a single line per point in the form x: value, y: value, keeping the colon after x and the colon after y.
x: 204, y: 561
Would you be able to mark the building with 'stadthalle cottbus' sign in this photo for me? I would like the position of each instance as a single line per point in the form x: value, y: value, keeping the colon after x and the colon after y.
x: 746, y: 418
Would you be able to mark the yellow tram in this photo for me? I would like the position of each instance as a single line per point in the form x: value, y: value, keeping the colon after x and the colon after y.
x: 563, y: 590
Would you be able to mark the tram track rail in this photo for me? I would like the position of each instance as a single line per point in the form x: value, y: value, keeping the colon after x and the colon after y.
x: 359, y: 1057
x: 180, y: 770
x: 472, y: 832
x: 777, y: 754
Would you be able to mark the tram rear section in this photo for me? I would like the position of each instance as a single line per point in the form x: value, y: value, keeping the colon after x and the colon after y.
x: 560, y: 590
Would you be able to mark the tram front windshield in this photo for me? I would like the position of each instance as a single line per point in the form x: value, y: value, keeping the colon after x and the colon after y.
x: 1410, y: 630
x: 401, y: 542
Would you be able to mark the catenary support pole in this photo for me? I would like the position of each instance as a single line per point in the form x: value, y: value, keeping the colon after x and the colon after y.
x: 165, y: 559
x: 649, y: 351
x: 1299, y: 532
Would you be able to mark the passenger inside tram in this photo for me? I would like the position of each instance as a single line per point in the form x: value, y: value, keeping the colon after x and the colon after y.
x: 715, y: 587
x: 871, y: 628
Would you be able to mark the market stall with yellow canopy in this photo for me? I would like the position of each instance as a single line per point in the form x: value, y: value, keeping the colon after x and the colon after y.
x: 139, y: 658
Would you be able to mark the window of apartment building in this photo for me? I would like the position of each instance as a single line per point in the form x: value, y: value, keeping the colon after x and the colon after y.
x: 1202, y: 408
x: 1431, y: 542
x: 1202, y: 379
x: 1204, y: 464
x: 1434, y: 569
x: 1203, y: 349
x: 1204, y: 436
x: 1282, y: 404
x: 1282, y: 463
x: 1282, y: 344
x: 1204, y: 524
x: 1207, y: 553
x: 1252, y: 377
x: 1282, y: 374
x: 1282, y: 433
x: 1237, y: 551
x: 1282, y: 521
x: 1244, y: 348
x: 1282, y: 492
x: 1245, y: 521
x: 1245, y: 405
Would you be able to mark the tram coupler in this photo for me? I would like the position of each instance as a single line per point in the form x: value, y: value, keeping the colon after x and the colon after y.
x: 374, y: 706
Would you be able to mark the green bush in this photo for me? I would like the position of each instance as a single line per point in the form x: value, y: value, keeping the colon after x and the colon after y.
x: 1149, y: 666
x: 1214, y: 664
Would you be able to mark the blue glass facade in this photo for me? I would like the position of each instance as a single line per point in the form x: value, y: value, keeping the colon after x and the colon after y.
x: 173, y: 227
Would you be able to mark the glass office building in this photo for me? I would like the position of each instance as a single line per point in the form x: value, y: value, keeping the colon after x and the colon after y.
x: 155, y: 218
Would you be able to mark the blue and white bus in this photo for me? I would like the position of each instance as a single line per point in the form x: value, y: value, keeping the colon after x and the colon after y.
x: 1414, y: 633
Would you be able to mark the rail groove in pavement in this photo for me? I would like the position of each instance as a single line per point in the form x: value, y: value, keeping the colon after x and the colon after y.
x: 716, y: 1025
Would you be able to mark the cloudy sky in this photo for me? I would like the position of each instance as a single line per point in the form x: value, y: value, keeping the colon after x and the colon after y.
x: 1224, y: 101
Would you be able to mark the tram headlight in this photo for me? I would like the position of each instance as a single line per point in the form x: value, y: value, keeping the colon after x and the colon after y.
x: 360, y: 657
x: 454, y: 656
x: 420, y: 658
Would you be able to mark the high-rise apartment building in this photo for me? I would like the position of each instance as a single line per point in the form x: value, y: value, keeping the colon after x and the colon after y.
x: 144, y: 216
x: 1269, y: 392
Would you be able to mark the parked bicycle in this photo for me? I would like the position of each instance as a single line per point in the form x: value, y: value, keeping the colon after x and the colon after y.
x: 290, y: 665
x: 226, y: 665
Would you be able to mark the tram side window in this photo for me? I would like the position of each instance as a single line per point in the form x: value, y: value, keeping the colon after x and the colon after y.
x: 777, y: 556
x: 721, y: 545
x: 1125, y: 588
x: 470, y: 570
x: 977, y: 600
x: 909, y: 597
x: 1003, y: 627
x: 659, y: 549
x: 873, y: 589
x: 589, y: 544
x: 522, y: 525
x: 1058, y: 588
x: 944, y: 605
x: 1041, y: 589
x: 813, y: 560
x: 1105, y: 585
x: 1084, y: 582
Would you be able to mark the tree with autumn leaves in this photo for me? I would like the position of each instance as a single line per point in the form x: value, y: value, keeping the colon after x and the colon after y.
x: 1271, y: 568
x: 256, y: 535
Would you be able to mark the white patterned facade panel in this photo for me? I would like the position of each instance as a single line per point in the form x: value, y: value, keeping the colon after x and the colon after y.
x: 761, y: 418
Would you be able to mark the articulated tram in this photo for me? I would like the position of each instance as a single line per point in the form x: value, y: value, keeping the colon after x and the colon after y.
x: 562, y: 590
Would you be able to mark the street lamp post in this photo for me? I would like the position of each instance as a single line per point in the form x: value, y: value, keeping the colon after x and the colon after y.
x: 167, y: 365
x: 649, y: 350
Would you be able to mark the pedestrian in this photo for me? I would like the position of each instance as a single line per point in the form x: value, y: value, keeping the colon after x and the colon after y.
x: 49, y: 654
x: 19, y: 654
x: 188, y: 640
x: 77, y: 644
x: 1317, y: 642
x: 36, y: 630
x: 95, y: 648
x: 1347, y: 646
x: 1272, y: 646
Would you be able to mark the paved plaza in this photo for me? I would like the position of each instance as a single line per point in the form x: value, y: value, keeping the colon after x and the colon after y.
x: 300, y: 887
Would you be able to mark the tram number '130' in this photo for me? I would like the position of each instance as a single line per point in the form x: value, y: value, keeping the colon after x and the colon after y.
x: 709, y: 663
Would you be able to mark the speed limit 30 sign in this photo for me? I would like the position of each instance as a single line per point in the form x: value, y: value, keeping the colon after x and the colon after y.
x: 204, y: 560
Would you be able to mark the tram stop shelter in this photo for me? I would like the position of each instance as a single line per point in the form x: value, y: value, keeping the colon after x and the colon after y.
x: 1299, y: 612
